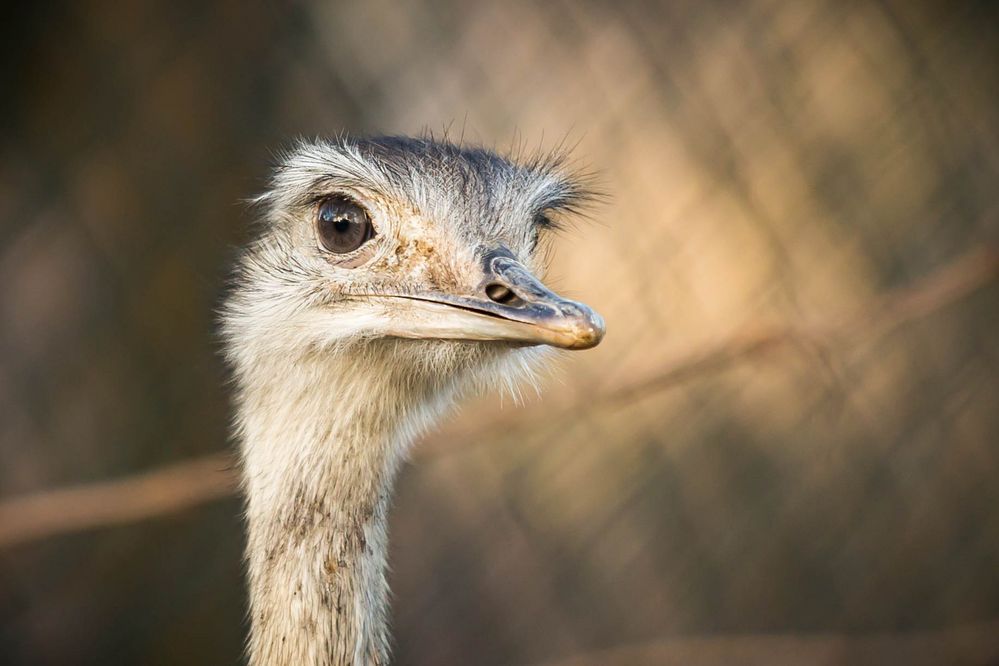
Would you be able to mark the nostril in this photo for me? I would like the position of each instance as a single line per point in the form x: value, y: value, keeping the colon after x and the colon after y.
x: 500, y: 293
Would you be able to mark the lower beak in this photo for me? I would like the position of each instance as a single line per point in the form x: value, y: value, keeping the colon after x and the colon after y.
x: 510, y: 304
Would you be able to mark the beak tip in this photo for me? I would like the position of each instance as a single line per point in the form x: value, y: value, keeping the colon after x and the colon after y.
x: 590, y: 333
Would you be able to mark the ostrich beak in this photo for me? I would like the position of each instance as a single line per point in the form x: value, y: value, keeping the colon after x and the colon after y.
x: 510, y: 304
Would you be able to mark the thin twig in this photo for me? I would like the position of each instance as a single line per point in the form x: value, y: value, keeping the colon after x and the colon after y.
x: 162, y: 491
x: 945, y: 286
x: 966, y: 644
x: 185, y: 485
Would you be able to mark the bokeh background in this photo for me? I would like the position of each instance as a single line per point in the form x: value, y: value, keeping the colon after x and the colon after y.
x: 786, y: 450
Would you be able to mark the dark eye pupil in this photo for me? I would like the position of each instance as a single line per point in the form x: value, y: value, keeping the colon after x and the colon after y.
x: 342, y: 225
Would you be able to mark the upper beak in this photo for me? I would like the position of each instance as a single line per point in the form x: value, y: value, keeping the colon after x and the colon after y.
x: 509, y: 304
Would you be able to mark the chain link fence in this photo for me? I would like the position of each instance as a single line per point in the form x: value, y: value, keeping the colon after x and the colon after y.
x: 785, y: 451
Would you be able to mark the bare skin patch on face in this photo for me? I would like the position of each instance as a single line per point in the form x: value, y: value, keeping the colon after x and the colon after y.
x: 423, y: 256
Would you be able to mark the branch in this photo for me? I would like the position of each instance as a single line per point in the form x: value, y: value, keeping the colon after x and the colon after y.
x: 163, y: 491
x: 944, y: 287
x: 185, y: 485
x: 967, y: 644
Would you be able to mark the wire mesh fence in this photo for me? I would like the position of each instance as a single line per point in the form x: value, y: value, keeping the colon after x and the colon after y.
x: 786, y: 450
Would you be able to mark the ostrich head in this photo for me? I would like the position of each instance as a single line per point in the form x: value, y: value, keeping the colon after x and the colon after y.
x: 389, y: 275
x: 367, y: 243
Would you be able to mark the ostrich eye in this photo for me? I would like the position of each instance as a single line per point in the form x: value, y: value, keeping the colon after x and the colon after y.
x: 542, y: 222
x: 342, y: 225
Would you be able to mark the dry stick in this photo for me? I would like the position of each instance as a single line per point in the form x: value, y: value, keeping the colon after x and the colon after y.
x: 964, y: 644
x: 184, y: 485
x: 165, y: 490
x: 945, y: 286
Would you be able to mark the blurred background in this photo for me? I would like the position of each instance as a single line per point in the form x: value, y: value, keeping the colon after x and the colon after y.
x: 786, y: 450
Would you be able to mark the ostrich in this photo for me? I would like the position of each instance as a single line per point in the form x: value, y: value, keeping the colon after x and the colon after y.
x: 390, y: 277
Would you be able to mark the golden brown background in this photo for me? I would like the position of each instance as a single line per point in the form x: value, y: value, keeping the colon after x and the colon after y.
x: 786, y: 451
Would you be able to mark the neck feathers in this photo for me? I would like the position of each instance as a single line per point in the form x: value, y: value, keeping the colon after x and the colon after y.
x: 322, y: 442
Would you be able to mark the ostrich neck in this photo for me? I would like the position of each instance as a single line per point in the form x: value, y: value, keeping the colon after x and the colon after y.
x: 321, y: 448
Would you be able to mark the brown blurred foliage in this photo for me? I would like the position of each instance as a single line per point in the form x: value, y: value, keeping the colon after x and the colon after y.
x: 773, y: 167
